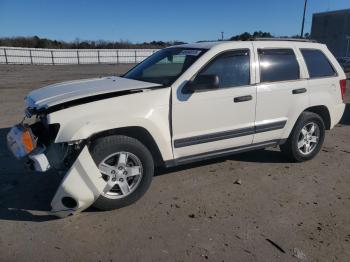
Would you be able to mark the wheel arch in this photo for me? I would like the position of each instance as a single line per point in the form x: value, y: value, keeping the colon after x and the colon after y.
x: 323, y: 112
x: 139, y: 133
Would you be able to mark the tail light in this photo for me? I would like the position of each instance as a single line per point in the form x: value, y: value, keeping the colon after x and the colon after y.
x: 342, y: 88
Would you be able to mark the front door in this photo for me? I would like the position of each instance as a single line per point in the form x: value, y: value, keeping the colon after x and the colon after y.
x: 213, y: 120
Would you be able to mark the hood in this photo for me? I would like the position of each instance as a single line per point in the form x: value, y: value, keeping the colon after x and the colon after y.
x: 56, y: 94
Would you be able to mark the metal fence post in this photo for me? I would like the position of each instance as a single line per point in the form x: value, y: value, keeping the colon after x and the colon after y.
x: 122, y: 56
x: 31, y: 57
x: 5, y: 56
x: 78, y: 56
x: 53, y: 61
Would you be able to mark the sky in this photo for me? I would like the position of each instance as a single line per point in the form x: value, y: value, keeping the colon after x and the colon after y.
x: 142, y: 21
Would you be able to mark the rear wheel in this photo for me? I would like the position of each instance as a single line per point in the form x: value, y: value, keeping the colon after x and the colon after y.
x: 306, y: 138
x: 126, y: 165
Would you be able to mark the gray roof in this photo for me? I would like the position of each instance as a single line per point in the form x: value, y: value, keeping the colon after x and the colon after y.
x: 342, y: 11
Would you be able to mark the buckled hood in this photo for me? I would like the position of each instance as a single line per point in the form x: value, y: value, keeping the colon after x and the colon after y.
x: 69, y: 91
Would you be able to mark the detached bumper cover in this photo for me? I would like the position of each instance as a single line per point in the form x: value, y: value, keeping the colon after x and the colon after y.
x: 82, y: 185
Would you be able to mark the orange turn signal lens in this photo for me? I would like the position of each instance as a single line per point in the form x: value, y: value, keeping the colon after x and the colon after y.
x: 27, y: 141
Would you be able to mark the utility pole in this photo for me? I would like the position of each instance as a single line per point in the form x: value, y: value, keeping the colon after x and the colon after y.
x: 222, y: 36
x: 302, y: 24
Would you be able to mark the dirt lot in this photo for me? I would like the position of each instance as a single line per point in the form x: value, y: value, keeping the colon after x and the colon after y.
x: 192, y: 213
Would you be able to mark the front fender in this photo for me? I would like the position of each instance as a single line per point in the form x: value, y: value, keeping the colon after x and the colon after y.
x: 149, y: 110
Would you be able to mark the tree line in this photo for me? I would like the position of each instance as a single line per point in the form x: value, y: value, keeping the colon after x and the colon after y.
x: 259, y: 34
x: 37, y: 42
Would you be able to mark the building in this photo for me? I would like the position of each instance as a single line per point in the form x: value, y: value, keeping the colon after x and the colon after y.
x: 333, y: 29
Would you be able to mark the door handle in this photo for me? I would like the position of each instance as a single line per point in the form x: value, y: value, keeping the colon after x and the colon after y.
x: 242, y: 98
x: 299, y: 91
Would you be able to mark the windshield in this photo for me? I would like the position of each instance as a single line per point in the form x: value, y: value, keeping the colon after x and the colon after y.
x: 165, y: 66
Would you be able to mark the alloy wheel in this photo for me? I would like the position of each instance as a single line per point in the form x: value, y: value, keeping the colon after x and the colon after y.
x: 123, y: 172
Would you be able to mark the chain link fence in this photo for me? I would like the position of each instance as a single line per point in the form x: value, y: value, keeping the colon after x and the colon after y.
x: 38, y: 56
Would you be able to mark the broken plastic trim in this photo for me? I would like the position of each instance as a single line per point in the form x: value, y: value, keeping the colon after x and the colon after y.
x: 83, y: 182
x: 69, y: 202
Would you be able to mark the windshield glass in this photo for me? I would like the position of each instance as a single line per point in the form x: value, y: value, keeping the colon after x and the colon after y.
x: 165, y: 66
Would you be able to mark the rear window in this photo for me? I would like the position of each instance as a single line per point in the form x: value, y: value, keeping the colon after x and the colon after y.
x: 317, y: 63
x: 278, y: 65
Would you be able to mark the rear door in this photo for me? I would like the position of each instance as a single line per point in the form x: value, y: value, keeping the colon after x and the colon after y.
x: 282, y: 91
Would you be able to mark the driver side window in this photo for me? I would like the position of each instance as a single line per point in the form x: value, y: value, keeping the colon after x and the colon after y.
x: 233, y: 68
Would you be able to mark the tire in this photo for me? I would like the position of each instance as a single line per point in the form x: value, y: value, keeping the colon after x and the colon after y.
x: 111, y: 151
x: 293, y: 149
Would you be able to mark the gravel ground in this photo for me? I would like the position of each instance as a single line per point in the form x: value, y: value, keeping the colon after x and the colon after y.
x: 281, y: 211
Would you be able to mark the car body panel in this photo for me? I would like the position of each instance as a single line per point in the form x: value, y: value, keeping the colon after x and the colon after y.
x: 52, y: 95
x: 211, y: 112
x: 275, y: 100
x: 325, y: 91
x: 148, y: 109
x: 83, y: 183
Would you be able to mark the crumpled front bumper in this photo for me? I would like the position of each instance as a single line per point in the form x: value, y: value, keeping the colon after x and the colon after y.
x: 80, y: 187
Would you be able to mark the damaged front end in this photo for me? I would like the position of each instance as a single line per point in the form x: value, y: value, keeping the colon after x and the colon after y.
x: 33, y: 140
x: 39, y: 139
x: 80, y: 187
x: 30, y: 139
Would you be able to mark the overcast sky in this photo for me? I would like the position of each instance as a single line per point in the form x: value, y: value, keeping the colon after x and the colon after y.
x: 140, y: 21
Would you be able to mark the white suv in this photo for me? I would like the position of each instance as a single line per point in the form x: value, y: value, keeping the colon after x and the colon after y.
x: 184, y: 103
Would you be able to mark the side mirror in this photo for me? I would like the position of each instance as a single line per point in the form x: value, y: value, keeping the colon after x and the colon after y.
x: 203, y: 82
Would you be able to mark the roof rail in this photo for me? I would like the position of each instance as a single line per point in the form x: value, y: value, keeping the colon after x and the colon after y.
x: 283, y: 39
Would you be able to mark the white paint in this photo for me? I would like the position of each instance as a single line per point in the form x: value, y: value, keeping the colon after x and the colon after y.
x: 68, y: 91
x: 83, y: 182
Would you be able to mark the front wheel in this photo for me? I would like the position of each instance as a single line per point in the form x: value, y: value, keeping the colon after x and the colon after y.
x: 306, y: 138
x: 127, y: 167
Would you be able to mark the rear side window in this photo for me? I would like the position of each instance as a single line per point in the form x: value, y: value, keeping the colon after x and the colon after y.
x: 317, y: 63
x: 233, y: 68
x: 278, y: 65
